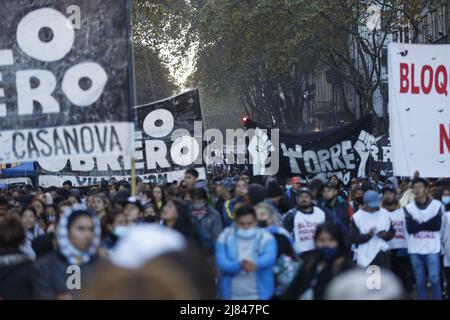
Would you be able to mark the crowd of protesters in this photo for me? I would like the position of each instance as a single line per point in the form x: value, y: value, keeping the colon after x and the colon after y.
x: 231, y: 236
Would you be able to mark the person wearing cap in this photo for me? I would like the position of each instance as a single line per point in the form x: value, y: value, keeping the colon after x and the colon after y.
x: 224, y: 191
x: 423, y: 224
x: 303, y: 220
x: 291, y: 193
x: 78, y: 237
x: 398, y: 246
x: 370, y: 231
x: 240, y: 192
x: 336, y: 206
x: 133, y: 210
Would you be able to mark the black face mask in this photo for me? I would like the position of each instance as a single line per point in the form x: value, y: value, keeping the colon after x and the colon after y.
x: 151, y: 219
x: 262, y: 224
x: 359, y: 200
x: 304, y: 206
x: 389, y: 203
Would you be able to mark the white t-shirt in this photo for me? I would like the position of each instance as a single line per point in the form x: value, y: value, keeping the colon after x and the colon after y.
x: 305, y: 226
x: 446, y: 237
x: 424, y: 242
x: 364, y: 221
x: 398, y: 221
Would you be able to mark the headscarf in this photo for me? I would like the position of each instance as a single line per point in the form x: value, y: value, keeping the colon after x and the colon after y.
x: 67, y: 249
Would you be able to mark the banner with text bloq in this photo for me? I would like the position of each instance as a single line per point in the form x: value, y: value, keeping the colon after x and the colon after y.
x: 419, y: 109
x: 65, y: 79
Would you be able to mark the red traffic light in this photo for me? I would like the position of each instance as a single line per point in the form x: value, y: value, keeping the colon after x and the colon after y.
x: 245, y: 120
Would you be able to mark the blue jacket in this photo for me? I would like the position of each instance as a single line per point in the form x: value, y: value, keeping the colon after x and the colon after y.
x: 265, y: 254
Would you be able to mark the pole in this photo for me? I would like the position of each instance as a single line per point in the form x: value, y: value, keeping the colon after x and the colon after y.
x: 133, y: 177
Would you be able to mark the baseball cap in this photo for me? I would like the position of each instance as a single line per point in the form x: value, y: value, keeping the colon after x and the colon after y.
x: 304, y: 190
x: 372, y: 199
x: 388, y: 187
x: 296, y: 180
x: 330, y: 185
x: 227, y: 183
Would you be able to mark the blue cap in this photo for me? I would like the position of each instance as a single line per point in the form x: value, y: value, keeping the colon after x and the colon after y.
x: 372, y: 199
x: 227, y: 183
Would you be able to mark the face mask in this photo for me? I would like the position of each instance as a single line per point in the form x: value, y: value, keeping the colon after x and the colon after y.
x: 197, y: 206
x: 263, y: 224
x: 246, y: 233
x: 446, y: 200
x: 303, y: 206
x: 328, y: 254
x: 359, y: 199
x: 120, y: 231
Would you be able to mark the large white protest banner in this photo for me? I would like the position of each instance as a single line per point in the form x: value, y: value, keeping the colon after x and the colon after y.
x: 419, y: 109
x: 65, y: 79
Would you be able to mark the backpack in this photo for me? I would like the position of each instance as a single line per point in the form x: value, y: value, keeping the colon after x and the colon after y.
x: 285, y: 271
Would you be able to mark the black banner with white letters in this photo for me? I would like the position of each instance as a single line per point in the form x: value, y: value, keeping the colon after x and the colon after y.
x: 65, y: 79
x: 342, y: 151
x: 164, y: 147
x: 381, y: 156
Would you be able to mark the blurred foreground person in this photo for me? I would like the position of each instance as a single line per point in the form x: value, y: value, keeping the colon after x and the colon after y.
x: 245, y: 257
x: 177, y: 215
x: 360, y: 284
x: 78, y: 237
x: 321, y: 265
x: 153, y: 262
x: 15, y: 266
x: 287, y: 260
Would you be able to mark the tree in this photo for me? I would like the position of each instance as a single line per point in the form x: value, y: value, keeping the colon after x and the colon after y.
x: 249, y: 47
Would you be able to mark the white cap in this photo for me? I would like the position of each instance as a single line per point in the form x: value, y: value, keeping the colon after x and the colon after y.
x: 144, y: 243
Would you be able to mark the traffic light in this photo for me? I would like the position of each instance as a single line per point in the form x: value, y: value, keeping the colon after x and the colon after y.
x: 245, y: 120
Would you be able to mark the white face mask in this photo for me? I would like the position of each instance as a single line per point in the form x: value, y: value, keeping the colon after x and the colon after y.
x: 446, y: 200
x: 121, y: 231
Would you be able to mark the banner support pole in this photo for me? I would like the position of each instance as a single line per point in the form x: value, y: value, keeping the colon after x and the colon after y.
x: 133, y: 177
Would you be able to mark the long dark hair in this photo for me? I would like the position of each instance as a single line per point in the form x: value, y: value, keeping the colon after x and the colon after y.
x: 184, y: 222
x: 163, y: 198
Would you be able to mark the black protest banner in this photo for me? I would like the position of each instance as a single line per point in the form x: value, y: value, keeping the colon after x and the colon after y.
x: 342, y: 151
x: 160, y: 155
x: 65, y: 79
x: 381, y: 156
